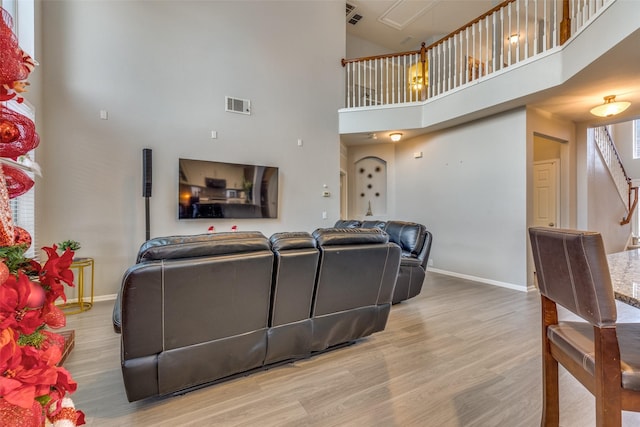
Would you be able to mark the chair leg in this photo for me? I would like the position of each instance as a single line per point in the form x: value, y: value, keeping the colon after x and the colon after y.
x: 607, y: 415
x: 608, y: 378
x: 550, y: 395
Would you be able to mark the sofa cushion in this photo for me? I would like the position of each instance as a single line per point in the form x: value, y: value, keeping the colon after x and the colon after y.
x: 174, y: 247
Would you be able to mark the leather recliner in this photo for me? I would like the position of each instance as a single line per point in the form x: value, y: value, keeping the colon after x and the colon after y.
x: 194, y: 309
x: 414, y: 240
x: 293, y: 286
x: 354, y: 285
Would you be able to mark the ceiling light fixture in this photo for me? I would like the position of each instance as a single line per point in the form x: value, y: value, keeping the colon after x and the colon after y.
x: 611, y: 107
x: 395, y: 137
x: 416, y: 82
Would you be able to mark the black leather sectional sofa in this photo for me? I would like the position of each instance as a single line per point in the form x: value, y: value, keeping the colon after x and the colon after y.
x: 195, y: 310
x: 414, y: 240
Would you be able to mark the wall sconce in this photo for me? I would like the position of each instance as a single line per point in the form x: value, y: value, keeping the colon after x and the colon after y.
x: 513, y: 38
x: 611, y: 107
x: 395, y: 137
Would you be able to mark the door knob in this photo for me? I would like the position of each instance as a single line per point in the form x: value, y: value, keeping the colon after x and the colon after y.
x: 551, y: 224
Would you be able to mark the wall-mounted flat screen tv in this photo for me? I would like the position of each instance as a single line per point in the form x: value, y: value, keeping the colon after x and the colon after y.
x: 209, y: 189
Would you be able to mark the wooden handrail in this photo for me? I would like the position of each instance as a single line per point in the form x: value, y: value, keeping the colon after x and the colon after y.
x: 344, y: 61
x: 632, y: 206
x: 615, y: 151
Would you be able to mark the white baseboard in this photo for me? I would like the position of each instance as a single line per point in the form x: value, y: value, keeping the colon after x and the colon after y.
x: 483, y: 280
x: 110, y: 297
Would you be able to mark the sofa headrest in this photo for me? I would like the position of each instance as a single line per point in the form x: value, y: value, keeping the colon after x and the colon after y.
x: 174, y: 247
x: 292, y: 240
x: 349, y: 236
x: 408, y: 235
x: 347, y: 223
x: 373, y: 224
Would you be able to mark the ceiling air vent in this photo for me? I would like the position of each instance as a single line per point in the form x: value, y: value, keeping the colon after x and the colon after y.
x: 350, y: 8
x: 355, y: 19
x: 237, y: 105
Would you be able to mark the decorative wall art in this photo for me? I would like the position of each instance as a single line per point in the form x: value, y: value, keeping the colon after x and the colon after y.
x: 371, y: 187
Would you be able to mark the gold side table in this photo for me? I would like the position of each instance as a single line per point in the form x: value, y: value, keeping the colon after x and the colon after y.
x: 80, y: 305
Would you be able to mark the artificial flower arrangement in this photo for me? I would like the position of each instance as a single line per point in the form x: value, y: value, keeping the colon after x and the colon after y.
x: 33, y: 388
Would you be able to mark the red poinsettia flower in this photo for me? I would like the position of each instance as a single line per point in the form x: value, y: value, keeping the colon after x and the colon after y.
x: 14, y: 312
x: 27, y: 372
x: 55, y: 272
x: 8, y: 349
x: 64, y: 384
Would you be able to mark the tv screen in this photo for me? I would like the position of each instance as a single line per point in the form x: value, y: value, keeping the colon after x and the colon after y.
x: 209, y: 189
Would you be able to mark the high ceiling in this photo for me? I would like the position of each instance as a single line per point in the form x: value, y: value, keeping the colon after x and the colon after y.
x: 402, y: 25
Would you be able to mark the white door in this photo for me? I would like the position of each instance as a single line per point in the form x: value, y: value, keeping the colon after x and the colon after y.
x: 546, y: 193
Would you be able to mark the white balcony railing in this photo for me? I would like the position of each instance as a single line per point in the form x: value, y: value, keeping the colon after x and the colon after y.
x: 508, y: 34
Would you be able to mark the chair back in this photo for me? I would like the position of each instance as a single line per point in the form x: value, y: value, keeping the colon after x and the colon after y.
x: 572, y: 270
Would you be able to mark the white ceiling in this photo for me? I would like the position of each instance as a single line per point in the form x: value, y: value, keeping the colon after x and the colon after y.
x: 402, y: 25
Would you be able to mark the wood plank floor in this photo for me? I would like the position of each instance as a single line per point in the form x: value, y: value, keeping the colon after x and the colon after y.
x: 460, y: 354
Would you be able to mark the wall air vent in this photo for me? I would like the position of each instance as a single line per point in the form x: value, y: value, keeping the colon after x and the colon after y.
x: 237, y: 105
x: 355, y: 19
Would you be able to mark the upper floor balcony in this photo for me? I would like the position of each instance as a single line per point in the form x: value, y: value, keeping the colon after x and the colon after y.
x: 562, y: 56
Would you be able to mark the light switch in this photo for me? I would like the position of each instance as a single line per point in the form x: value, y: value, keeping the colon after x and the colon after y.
x: 104, y: 115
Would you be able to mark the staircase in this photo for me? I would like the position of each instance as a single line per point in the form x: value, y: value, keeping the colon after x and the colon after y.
x: 628, y: 192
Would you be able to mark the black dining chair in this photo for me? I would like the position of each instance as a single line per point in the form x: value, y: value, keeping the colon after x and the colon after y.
x: 572, y: 271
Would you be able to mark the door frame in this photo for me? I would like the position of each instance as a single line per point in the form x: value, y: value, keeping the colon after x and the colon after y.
x: 344, y: 194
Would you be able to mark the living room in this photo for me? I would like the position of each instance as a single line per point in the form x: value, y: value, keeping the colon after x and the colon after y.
x: 165, y: 90
x: 117, y: 77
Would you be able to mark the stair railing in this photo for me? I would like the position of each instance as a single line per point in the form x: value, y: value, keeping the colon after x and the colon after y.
x: 628, y: 193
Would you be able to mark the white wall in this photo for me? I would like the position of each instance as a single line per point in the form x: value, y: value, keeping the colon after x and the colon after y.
x: 470, y: 190
x: 358, y: 47
x: 161, y: 69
